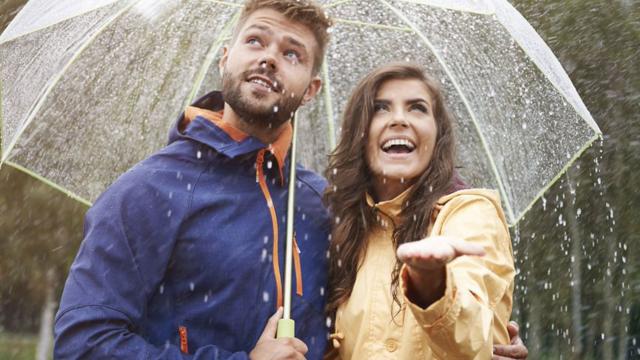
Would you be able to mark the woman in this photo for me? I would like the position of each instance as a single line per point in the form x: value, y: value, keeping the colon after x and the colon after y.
x: 420, y: 268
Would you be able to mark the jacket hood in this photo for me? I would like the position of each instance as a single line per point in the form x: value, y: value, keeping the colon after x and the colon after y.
x: 202, y: 122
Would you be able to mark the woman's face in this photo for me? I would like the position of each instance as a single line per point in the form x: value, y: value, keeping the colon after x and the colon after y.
x: 402, y: 134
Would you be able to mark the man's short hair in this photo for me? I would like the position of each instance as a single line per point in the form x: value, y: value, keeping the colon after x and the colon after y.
x: 305, y: 12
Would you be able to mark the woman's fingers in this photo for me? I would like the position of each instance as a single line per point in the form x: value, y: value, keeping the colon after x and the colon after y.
x: 436, y: 251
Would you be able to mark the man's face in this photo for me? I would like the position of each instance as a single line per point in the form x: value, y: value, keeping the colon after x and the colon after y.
x: 267, y: 73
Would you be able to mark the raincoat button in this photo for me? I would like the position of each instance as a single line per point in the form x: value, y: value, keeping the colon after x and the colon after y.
x: 391, y: 345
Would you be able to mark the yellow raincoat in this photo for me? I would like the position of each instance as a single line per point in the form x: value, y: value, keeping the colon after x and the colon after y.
x: 463, y: 324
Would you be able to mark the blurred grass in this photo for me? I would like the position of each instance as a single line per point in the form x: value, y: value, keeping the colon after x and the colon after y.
x: 17, y: 346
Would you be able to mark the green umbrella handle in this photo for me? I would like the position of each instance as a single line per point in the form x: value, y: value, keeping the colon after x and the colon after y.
x: 286, y: 328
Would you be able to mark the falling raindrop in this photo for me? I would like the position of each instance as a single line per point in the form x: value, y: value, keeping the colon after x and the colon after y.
x: 275, y: 109
x: 321, y: 291
x: 265, y: 296
x: 192, y: 286
x: 199, y: 154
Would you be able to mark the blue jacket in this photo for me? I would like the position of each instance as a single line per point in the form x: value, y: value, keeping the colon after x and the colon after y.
x: 177, y: 254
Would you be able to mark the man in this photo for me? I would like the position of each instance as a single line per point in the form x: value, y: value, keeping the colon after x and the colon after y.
x: 182, y: 254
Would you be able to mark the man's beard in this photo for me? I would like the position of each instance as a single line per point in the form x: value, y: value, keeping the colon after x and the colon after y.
x: 271, y: 115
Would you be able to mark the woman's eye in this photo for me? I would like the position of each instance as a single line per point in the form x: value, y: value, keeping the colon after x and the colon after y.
x: 253, y: 41
x: 379, y: 107
x: 419, y: 107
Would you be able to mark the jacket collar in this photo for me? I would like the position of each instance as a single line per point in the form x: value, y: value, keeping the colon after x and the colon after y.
x: 391, y: 208
x: 202, y: 122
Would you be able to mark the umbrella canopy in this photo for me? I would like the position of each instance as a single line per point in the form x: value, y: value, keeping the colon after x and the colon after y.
x: 88, y: 88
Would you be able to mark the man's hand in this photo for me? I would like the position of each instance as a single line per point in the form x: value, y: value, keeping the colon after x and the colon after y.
x: 268, y: 347
x: 516, y: 350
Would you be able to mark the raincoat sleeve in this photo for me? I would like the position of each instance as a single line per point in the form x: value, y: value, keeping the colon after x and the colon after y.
x: 128, y: 241
x: 476, y: 307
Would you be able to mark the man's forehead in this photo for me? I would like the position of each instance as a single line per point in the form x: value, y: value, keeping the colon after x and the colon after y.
x: 272, y: 21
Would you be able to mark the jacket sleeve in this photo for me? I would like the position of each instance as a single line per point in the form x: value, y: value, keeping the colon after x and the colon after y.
x: 128, y: 240
x: 475, y: 309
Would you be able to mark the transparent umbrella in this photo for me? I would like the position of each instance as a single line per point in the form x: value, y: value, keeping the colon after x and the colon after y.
x: 90, y: 87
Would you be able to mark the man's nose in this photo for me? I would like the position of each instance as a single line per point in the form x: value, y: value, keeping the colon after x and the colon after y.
x: 268, y: 60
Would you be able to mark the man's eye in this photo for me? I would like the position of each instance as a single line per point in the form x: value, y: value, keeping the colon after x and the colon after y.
x: 292, y: 55
x: 253, y: 41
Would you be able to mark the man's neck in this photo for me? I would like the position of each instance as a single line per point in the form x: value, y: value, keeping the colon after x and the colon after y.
x: 266, y: 135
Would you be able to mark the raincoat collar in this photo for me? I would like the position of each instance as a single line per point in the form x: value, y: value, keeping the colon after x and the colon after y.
x: 391, y: 208
x: 202, y: 122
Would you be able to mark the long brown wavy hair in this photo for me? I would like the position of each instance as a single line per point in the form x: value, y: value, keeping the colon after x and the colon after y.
x: 350, y: 179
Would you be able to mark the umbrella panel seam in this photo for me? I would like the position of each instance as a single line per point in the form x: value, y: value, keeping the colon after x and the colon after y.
x: 40, y: 28
x: 446, y: 69
x: 54, y: 80
x: 210, y: 57
x: 58, y: 187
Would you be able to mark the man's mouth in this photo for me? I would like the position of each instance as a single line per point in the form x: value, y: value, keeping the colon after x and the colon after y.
x: 398, y: 146
x: 265, y: 82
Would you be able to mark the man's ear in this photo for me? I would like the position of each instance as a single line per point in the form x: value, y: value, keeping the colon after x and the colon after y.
x: 223, y: 60
x: 312, y: 90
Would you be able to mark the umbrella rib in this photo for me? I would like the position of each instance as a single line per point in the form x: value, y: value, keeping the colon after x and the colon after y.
x: 585, y: 114
x: 560, y: 173
x: 464, y: 100
x: 329, y: 105
x: 447, y: 6
x: 336, y: 3
x: 2, y: 41
x: 377, y: 26
x: 202, y: 73
x: 65, y: 191
x: 58, y: 76
x: 225, y: 3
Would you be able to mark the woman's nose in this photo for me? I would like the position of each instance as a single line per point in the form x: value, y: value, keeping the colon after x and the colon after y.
x: 398, y: 118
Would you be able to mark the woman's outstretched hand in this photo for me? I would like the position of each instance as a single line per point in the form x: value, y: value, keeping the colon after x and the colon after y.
x: 426, y: 262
